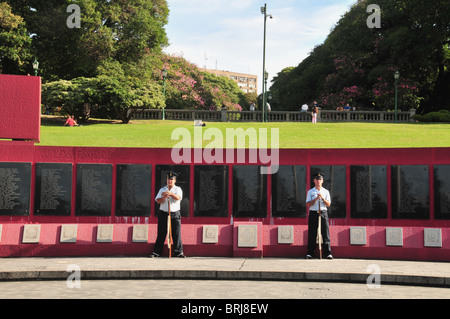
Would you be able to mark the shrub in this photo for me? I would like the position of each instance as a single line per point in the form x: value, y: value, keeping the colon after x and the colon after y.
x: 441, y: 116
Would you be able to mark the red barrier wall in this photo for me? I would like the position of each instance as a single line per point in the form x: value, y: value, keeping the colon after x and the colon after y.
x: 20, y: 107
x: 49, y: 244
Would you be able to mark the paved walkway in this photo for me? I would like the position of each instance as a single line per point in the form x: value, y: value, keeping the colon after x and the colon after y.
x: 222, y: 268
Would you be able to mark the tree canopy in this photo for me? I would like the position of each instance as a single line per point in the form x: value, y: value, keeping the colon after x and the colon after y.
x: 356, y: 63
x: 110, y: 29
x: 14, y: 41
x: 112, y: 64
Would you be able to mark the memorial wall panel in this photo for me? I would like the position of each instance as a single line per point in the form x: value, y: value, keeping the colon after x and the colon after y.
x: 53, y: 189
x: 410, y: 191
x: 183, y: 181
x: 211, y: 190
x: 133, y: 190
x: 94, y: 190
x: 289, y: 191
x: 15, y: 188
x: 368, y: 185
x: 442, y: 191
x: 335, y: 183
x: 249, y: 191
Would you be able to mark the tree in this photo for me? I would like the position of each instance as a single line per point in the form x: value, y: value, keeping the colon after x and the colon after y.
x: 110, y: 29
x: 357, y: 63
x: 103, y: 97
x: 120, y: 99
x: 14, y: 41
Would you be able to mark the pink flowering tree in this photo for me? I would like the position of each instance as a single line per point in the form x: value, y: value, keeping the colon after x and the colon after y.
x: 189, y: 88
x: 342, y: 86
x: 383, y: 93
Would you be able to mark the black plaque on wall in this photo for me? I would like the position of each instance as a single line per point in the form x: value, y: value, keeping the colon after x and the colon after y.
x: 15, y: 188
x: 53, y: 189
x: 183, y: 181
x: 249, y: 191
x: 442, y: 191
x: 368, y: 185
x: 410, y: 191
x: 211, y: 190
x: 133, y: 190
x: 94, y: 190
x: 335, y: 183
x: 289, y: 191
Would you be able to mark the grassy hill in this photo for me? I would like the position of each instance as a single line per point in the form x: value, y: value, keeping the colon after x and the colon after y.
x: 291, y: 135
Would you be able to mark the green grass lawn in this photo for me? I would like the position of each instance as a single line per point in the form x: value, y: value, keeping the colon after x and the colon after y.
x: 291, y: 135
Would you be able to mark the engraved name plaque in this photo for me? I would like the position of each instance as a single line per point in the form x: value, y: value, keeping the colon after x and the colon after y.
x: 249, y: 192
x: 211, y: 190
x: 442, y: 191
x: 410, y: 191
x: 133, y: 190
x: 53, y: 190
x: 289, y: 191
x: 94, y: 190
x: 335, y: 182
x: 15, y: 188
x: 183, y: 181
x: 368, y: 191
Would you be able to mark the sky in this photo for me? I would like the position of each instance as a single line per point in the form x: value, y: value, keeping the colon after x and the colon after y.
x: 228, y: 34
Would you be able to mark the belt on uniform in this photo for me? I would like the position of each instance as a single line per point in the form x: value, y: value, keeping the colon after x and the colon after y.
x: 170, y: 212
x: 316, y: 211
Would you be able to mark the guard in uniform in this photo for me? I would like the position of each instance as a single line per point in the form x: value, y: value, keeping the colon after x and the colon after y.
x: 173, y: 194
x: 314, y: 195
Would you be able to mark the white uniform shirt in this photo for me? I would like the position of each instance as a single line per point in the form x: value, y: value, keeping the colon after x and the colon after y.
x: 312, y: 194
x: 174, y: 204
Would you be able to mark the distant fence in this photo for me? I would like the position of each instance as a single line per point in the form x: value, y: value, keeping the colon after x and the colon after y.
x: 273, y: 116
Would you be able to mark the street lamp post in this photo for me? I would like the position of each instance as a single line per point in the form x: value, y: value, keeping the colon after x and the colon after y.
x: 266, y: 76
x: 264, y: 11
x: 396, y: 77
x: 35, y: 66
x: 164, y: 75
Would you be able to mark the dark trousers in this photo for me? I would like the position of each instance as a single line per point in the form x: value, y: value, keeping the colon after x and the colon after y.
x: 313, y: 223
x: 175, y: 217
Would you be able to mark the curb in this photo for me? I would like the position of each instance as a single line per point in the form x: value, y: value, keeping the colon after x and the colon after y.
x: 361, y: 278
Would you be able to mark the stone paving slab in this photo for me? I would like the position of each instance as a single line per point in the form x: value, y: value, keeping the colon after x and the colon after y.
x: 222, y: 268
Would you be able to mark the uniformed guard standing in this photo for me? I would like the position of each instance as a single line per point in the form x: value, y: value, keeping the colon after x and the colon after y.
x: 173, y: 194
x: 314, y: 195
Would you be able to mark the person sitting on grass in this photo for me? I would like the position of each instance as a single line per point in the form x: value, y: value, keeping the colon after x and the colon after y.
x: 71, y: 121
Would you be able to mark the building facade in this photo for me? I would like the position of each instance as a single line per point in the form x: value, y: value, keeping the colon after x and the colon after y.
x: 248, y: 83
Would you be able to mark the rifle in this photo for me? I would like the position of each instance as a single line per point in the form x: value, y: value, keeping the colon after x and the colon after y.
x: 169, y: 229
x: 319, y: 232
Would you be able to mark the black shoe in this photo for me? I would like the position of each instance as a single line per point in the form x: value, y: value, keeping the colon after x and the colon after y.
x: 154, y: 255
x: 309, y: 257
x: 181, y: 255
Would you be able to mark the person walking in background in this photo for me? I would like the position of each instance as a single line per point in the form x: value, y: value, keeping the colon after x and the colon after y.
x: 315, y: 110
